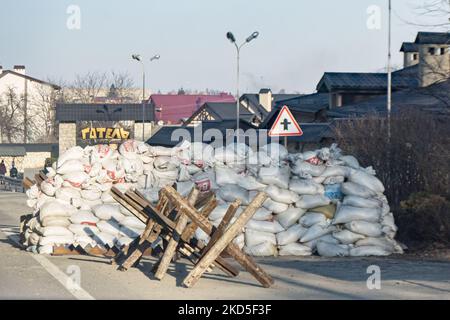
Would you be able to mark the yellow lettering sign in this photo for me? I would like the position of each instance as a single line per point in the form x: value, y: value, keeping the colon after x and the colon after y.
x: 104, y: 133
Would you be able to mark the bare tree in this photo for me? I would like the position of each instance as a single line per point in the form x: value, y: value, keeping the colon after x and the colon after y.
x: 123, y: 86
x: 87, y: 87
x: 10, y: 113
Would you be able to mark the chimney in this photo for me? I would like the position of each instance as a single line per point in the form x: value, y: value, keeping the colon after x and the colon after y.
x: 265, y: 99
x: 19, y: 69
x: 1, y: 69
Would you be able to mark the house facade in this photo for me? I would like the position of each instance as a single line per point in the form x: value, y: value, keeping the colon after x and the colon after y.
x: 27, y: 107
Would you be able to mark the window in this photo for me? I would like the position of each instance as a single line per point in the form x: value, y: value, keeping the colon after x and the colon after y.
x: 415, y: 56
x: 432, y: 51
x: 441, y: 51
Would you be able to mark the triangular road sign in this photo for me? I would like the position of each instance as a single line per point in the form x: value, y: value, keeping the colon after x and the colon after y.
x: 285, y: 125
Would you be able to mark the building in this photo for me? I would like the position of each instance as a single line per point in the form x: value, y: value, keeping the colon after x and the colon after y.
x: 219, y: 111
x: 261, y: 103
x: 177, y: 108
x: 27, y: 107
x: 29, y: 158
x: 84, y: 124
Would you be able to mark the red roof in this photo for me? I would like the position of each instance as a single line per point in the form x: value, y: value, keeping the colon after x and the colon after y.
x: 172, y: 108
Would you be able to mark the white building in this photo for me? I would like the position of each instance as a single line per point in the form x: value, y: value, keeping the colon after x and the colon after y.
x: 27, y: 107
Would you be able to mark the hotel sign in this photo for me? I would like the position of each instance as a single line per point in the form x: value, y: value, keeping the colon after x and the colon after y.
x: 105, y: 133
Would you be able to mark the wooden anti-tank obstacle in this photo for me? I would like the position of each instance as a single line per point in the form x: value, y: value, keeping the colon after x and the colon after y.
x: 169, y: 219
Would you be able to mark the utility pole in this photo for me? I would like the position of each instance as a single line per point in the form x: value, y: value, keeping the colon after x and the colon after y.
x: 389, y: 75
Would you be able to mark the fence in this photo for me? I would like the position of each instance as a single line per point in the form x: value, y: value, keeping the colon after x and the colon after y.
x: 11, y: 184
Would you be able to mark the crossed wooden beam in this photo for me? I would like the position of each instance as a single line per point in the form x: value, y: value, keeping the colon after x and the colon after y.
x: 175, y: 219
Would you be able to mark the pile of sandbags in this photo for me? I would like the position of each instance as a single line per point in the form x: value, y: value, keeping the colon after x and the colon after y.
x: 319, y: 201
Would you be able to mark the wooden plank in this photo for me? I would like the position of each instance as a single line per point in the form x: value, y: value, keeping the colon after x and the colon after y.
x: 230, y: 233
x: 27, y: 183
x: 176, y: 235
x: 231, y: 211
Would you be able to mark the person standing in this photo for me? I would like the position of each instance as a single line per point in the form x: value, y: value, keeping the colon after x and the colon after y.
x: 13, y: 171
x: 2, y: 170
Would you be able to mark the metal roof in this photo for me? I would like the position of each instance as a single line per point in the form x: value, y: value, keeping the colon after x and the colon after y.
x: 7, y: 150
x: 433, y: 99
x: 433, y: 38
x: 409, y: 47
x: 222, y: 111
x: 332, y: 81
x: 71, y: 112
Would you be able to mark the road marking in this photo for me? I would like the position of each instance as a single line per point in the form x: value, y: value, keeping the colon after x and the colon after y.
x: 77, y: 291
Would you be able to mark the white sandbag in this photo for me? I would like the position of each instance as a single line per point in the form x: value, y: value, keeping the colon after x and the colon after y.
x: 292, y: 234
x: 311, y: 218
x: 157, y: 151
x: 346, y: 214
x: 105, y: 211
x: 202, y: 154
x: 33, y: 192
x: 350, y: 161
x: 281, y: 195
x: 218, y: 212
x: 347, y: 237
x: 304, y: 186
x: 53, y: 231
x: 74, y: 165
x: 76, y: 178
x: 290, y: 216
x: 70, y: 154
x: 278, y: 176
x: 91, y: 194
x: 275, y: 151
x: 110, y: 226
x: 364, y: 251
x: 264, y: 226
x: 363, y: 178
x: 104, y: 239
x: 294, y: 249
x: 84, y: 204
x: 101, y: 153
x: 51, y: 240
x: 254, y: 237
x: 355, y: 189
x: 311, y: 201
x: 225, y: 175
x: 106, y: 197
x: 83, y: 229
x: 232, y: 192
x: 48, y: 188
x: 334, y: 180
x: 369, y: 229
x: 240, y: 241
x: 388, y: 245
x: 328, y: 238
x: 129, y: 149
x: 250, y: 183
x: 205, y: 181
x: 55, y: 221
x: 83, y: 241
x: 317, y: 231
x: 152, y: 194
x: 118, y: 216
x: 201, y: 235
x: 133, y: 222
x: 305, y: 169
x: 265, y: 249
x: 331, y: 171
x: 123, y: 241
x: 275, y: 207
x: 56, y: 208
x: 67, y: 193
x: 361, y: 202
x: 262, y: 214
x: 325, y: 249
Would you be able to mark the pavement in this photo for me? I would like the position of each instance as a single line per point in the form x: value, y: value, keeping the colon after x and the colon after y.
x: 24, y: 275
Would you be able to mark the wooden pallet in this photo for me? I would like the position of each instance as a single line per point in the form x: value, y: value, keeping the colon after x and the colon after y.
x: 175, y: 219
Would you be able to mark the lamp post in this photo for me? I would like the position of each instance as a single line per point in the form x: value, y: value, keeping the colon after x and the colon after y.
x: 232, y: 39
x: 137, y: 57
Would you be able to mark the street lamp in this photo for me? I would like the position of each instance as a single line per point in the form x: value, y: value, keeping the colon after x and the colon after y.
x: 232, y: 39
x: 138, y: 58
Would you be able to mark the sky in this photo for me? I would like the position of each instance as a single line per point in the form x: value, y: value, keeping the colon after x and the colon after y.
x: 299, y: 40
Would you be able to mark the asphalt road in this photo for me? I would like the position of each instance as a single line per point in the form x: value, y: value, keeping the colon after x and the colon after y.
x: 24, y: 275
